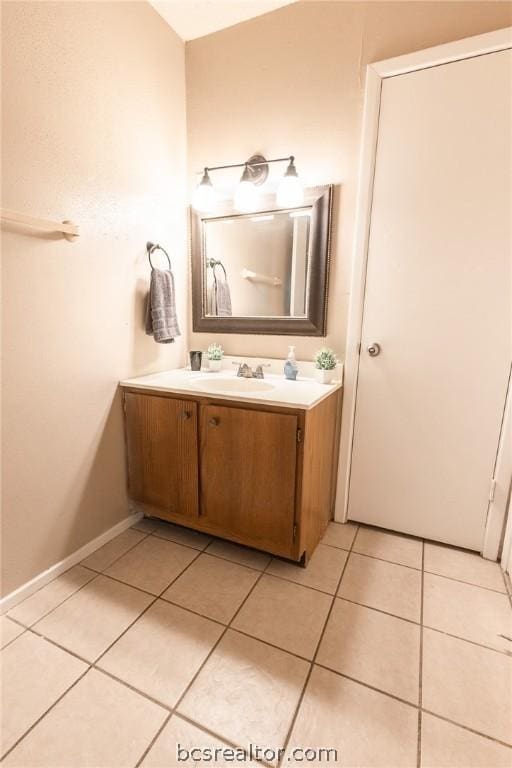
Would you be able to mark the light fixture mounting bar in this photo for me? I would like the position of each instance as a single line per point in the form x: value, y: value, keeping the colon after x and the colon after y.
x: 249, y: 162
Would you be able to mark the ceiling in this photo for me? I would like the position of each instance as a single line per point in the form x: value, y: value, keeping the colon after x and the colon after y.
x: 195, y: 18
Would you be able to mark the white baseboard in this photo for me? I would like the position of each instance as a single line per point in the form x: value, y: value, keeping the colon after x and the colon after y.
x: 13, y: 598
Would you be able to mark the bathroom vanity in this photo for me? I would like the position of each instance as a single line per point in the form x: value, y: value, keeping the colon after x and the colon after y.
x: 248, y: 460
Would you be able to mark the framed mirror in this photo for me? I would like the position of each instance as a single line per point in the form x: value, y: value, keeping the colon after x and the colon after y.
x: 265, y: 271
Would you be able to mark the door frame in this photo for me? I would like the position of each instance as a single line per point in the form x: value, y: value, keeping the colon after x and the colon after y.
x: 479, y: 45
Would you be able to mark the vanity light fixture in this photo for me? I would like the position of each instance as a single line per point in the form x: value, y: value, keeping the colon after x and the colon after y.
x: 204, y: 194
x: 246, y: 194
x: 289, y: 194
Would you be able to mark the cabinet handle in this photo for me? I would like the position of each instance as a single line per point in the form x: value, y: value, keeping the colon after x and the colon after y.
x: 214, y: 422
x: 186, y: 415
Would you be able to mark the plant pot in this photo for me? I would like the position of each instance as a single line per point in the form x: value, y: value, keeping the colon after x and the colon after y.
x: 214, y: 365
x: 324, y: 376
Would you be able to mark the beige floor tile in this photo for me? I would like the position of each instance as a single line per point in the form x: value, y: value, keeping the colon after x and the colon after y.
x: 285, y: 614
x: 467, y: 684
x: 444, y: 745
x: 34, y: 674
x: 467, y: 611
x: 386, y: 586
x: 105, y: 555
x: 465, y: 566
x: 322, y: 572
x: 212, y: 587
x: 94, y: 617
x: 146, y: 525
x: 374, y: 648
x: 53, y: 594
x: 241, y: 555
x: 340, y: 535
x: 247, y: 692
x: 162, y: 651
x: 9, y: 630
x: 368, y: 729
x: 100, y: 723
x: 181, y: 535
x: 389, y: 546
x: 180, y: 734
x: 152, y: 564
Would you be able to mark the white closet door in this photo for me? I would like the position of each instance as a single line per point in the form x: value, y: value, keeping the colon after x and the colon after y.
x: 438, y: 302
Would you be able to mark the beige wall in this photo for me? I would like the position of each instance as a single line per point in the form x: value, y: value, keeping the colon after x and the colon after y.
x: 292, y: 81
x: 94, y: 131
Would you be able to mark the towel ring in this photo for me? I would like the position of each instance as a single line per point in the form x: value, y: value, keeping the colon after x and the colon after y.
x: 212, y: 264
x: 151, y: 247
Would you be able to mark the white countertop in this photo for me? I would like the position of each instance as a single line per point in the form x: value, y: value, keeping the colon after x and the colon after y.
x: 304, y: 393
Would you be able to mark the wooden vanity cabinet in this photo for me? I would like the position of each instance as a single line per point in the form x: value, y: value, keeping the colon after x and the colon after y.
x: 248, y: 474
x: 161, y: 442
x: 257, y: 475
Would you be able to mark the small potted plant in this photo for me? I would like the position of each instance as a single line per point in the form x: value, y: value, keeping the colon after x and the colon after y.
x: 214, y: 354
x: 325, y: 363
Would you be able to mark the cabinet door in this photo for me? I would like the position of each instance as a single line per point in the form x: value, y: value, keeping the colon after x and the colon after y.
x: 248, y: 469
x: 161, y: 437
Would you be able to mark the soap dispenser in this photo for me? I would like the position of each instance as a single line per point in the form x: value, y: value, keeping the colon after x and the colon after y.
x: 290, y: 367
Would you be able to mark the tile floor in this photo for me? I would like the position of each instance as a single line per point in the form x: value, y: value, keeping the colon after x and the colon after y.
x: 389, y: 650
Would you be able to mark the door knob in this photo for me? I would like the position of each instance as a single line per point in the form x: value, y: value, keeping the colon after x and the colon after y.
x: 213, y: 422
x: 374, y: 349
x: 186, y: 415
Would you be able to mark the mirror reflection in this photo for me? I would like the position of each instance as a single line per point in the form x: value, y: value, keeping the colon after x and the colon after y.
x: 257, y: 265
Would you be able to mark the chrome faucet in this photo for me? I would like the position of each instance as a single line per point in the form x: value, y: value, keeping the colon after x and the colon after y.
x: 246, y: 372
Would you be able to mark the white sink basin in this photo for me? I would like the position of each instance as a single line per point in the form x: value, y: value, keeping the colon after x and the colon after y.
x: 238, y: 384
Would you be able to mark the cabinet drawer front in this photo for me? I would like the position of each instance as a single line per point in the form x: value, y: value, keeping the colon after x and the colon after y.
x: 248, y: 473
x: 161, y: 438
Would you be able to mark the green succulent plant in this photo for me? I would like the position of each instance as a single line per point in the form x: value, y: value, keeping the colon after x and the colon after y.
x: 325, y: 359
x: 215, y: 352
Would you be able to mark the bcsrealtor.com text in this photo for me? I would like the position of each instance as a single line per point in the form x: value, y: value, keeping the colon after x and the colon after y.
x: 254, y: 752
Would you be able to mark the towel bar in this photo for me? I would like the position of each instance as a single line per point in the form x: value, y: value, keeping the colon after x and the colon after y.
x: 66, y: 228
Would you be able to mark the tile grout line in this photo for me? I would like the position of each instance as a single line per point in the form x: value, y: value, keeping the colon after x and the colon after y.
x: 467, y: 640
x: 420, y: 680
x: 313, y: 660
x: 223, y: 738
x: 411, y: 705
x: 41, y: 717
x: 245, y: 634
x: 91, y: 665
x: 467, y: 583
x: 408, y: 703
x: 508, y: 585
x: 97, y: 573
x: 59, y: 646
x: 434, y: 573
x: 261, y: 573
x: 468, y: 728
x: 366, y: 685
x: 204, y: 550
x: 146, y: 609
x: 207, y: 657
x: 155, y: 737
x: 32, y: 626
x: 217, y: 736
x: 144, y: 537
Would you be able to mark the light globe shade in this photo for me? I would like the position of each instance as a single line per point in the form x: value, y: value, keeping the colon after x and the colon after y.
x: 204, y: 194
x: 246, y: 196
x: 290, y: 192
